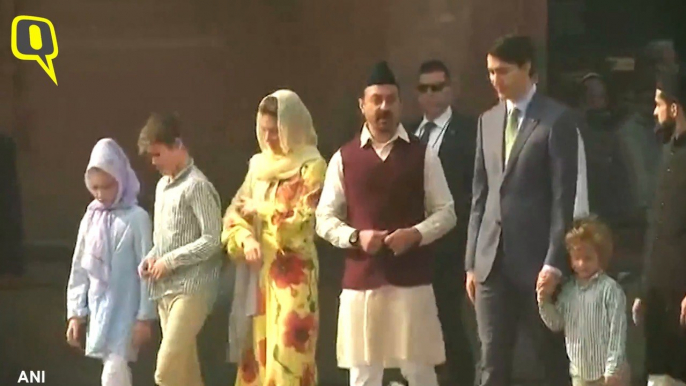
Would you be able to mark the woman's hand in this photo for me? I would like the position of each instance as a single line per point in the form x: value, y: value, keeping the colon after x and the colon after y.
x: 249, y: 208
x: 252, y: 251
x: 290, y: 190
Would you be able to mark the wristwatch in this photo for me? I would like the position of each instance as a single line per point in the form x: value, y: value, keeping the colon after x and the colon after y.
x: 354, y: 238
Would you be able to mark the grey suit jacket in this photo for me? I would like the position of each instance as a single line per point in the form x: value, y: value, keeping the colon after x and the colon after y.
x: 528, y: 205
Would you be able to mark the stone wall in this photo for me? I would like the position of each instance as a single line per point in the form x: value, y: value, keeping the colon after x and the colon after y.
x: 212, y: 61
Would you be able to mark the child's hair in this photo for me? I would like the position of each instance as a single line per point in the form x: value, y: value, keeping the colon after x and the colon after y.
x: 162, y: 129
x: 590, y: 230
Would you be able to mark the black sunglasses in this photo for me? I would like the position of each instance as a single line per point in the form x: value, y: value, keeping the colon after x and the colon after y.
x: 438, y: 87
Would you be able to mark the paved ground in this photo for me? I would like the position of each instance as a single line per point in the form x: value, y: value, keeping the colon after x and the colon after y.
x: 32, y: 334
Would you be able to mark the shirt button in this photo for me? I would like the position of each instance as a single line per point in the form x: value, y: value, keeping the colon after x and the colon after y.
x: 669, y: 170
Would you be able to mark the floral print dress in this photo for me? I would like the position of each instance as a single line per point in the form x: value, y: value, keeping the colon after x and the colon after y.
x: 285, y: 328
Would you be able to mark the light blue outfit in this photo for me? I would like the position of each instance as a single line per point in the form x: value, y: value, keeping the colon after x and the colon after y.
x: 104, y: 285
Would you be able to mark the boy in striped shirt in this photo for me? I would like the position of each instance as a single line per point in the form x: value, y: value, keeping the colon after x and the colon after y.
x: 590, y: 309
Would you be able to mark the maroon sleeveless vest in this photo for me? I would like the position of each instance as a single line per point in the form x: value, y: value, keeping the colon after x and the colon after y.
x: 385, y: 195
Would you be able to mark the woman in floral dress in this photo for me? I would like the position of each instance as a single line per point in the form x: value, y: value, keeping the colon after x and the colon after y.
x: 269, y: 234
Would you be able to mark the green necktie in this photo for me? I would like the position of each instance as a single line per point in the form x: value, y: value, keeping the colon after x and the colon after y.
x: 511, y: 132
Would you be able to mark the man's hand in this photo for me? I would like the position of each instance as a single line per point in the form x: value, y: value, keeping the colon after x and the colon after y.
x: 371, y: 241
x: 252, y: 251
x: 158, y: 270
x: 74, y: 332
x: 142, y: 333
x: 637, y: 312
x: 547, y: 282
x: 402, y: 240
x: 613, y: 380
x: 683, y: 312
x: 470, y: 285
x: 541, y: 295
x: 145, y: 267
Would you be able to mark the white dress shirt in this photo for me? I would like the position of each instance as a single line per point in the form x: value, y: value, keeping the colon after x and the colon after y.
x: 436, y: 136
x: 438, y: 202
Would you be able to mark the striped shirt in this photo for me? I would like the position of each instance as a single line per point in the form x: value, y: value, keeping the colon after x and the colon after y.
x: 593, y: 317
x: 186, y: 235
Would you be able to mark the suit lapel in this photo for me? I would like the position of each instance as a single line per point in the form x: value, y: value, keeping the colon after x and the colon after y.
x: 494, y: 127
x: 531, y: 120
x: 449, y: 139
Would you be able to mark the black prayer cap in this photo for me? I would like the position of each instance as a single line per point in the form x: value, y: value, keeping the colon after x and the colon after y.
x: 673, y: 85
x: 381, y: 74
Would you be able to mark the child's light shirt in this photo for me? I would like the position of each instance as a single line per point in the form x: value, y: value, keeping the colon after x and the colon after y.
x: 593, y: 317
x: 112, y: 314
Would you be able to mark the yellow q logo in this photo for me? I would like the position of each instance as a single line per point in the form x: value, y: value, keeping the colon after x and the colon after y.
x: 33, y: 38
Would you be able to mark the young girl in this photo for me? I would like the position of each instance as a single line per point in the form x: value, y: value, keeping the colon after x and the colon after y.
x: 590, y: 309
x: 104, y: 291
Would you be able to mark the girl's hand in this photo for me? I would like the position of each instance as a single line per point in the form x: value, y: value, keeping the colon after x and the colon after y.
x: 74, y: 332
x: 142, y: 333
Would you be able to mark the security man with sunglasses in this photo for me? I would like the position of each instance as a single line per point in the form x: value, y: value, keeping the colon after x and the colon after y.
x: 453, y: 136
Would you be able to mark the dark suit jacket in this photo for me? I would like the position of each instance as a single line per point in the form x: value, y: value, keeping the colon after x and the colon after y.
x: 665, y: 261
x: 529, y: 205
x: 457, y: 158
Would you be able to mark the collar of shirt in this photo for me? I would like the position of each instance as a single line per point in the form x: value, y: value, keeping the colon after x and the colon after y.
x: 584, y: 286
x: 182, y: 173
x: 523, y: 103
x: 440, y: 122
x: 366, y: 137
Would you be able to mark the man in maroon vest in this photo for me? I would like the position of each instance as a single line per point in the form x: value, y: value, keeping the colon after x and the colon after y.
x: 385, y: 200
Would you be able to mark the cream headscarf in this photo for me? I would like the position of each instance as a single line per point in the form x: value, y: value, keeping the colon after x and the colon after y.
x: 298, y: 140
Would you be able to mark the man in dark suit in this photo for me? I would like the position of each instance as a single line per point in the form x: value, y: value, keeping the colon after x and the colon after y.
x: 524, y: 191
x: 11, y: 263
x: 453, y: 136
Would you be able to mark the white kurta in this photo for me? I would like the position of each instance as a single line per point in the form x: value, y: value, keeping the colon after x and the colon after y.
x: 389, y: 325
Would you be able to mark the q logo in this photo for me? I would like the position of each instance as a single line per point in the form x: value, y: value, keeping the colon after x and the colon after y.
x: 33, y: 38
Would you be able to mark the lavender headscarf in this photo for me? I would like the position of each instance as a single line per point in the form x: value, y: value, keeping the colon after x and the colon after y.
x: 108, y: 156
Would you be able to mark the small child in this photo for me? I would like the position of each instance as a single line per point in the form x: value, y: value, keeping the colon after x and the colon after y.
x: 104, y: 290
x: 590, y: 309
